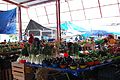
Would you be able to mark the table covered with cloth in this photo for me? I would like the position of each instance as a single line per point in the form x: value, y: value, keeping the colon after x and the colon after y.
x: 73, y: 72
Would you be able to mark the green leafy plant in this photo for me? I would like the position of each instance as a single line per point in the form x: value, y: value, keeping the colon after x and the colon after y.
x: 76, y: 48
x: 47, y: 50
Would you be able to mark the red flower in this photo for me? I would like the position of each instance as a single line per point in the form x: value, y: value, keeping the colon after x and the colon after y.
x: 66, y: 55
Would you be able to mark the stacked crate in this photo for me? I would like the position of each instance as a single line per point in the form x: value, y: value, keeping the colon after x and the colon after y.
x: 18, y: 71
x: 5, y: 70
x: 6, y: 74
x: 21, y: 72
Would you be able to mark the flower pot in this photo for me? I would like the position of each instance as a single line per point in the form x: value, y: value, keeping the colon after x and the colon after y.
x: 55, y: 65
x: 73, y: 67
x: 83, y: 66
x: 44, y: 64
x: 63, y: 65
x: 109, y: 60
x: 96, y: 62
x: 22, y: 61
x: 90, y: 63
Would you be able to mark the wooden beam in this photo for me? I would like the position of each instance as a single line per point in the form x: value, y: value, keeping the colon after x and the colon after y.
x: 19, y: 5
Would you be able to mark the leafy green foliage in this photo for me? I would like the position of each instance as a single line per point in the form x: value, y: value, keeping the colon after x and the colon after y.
x: 47, y: 50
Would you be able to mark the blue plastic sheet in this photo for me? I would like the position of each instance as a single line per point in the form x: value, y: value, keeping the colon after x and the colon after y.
x: 8, y: 22
x: 68, y: 25
x: 73, y: 72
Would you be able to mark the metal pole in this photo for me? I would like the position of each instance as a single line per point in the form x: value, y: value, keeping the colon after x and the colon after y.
x: 83, y: 8
x: 58, y: 20
x: 118, y: 6
x: 100, y: 8
x: 20, y: 23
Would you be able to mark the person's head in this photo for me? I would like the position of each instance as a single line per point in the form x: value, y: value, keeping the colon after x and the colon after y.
x: 36, y: 39
x: 4, y: 40
x: 31, y: 35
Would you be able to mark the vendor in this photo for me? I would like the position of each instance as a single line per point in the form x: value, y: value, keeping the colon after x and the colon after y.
x: 25, y: 37
x: 92, y: 43
x: 37, y: 42
x: 31, y: 39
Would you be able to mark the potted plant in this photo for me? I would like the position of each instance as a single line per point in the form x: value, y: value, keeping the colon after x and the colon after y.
x: 73, y: 65
x: 63, y: 63
x: 55, y: 63
x: 96, y: 61
x: 82, y: 63
x: 90, y: 61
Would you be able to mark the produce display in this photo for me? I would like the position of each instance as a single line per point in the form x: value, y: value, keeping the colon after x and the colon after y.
x: 9, y: 52
x: 74, y: 55
x: 82, y: 61
x: 9, y: 47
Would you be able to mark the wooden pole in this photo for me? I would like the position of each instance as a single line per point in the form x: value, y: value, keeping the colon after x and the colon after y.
x: 58, y: 20
x: 20, y: 23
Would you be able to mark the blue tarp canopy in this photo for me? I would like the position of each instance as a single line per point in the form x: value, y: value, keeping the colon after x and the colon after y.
x: 8, y: 22
x: 68, y: 25
x: 99, y: 32
x: 116, y: 33
x: 95, y: 33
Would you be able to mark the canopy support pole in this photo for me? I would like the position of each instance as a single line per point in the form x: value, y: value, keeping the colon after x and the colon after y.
x: 100, y: 8
x: 20, y: 23
x: 58, y: 20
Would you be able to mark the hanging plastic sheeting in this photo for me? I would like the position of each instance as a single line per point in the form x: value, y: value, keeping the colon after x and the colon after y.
x: 75, y: 27
x: 115, y: 33
x: 8, y: 22
x: 68, y: 25
x: 100, y: 33
x: 64, y: 26
x: 95, y: 33
x: 70, y: 30
x: 86, y: 35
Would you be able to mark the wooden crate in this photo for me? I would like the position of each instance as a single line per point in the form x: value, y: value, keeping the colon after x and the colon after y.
x: 6, y: 74
x: 5, y: 71
x: 18, y: 71
x: 22, y: 72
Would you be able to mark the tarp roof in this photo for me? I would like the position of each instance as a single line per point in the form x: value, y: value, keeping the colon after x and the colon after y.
x: 27, y: 3
x: 80, y: 12
x: 32, y: 25
x: 70, y: 26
